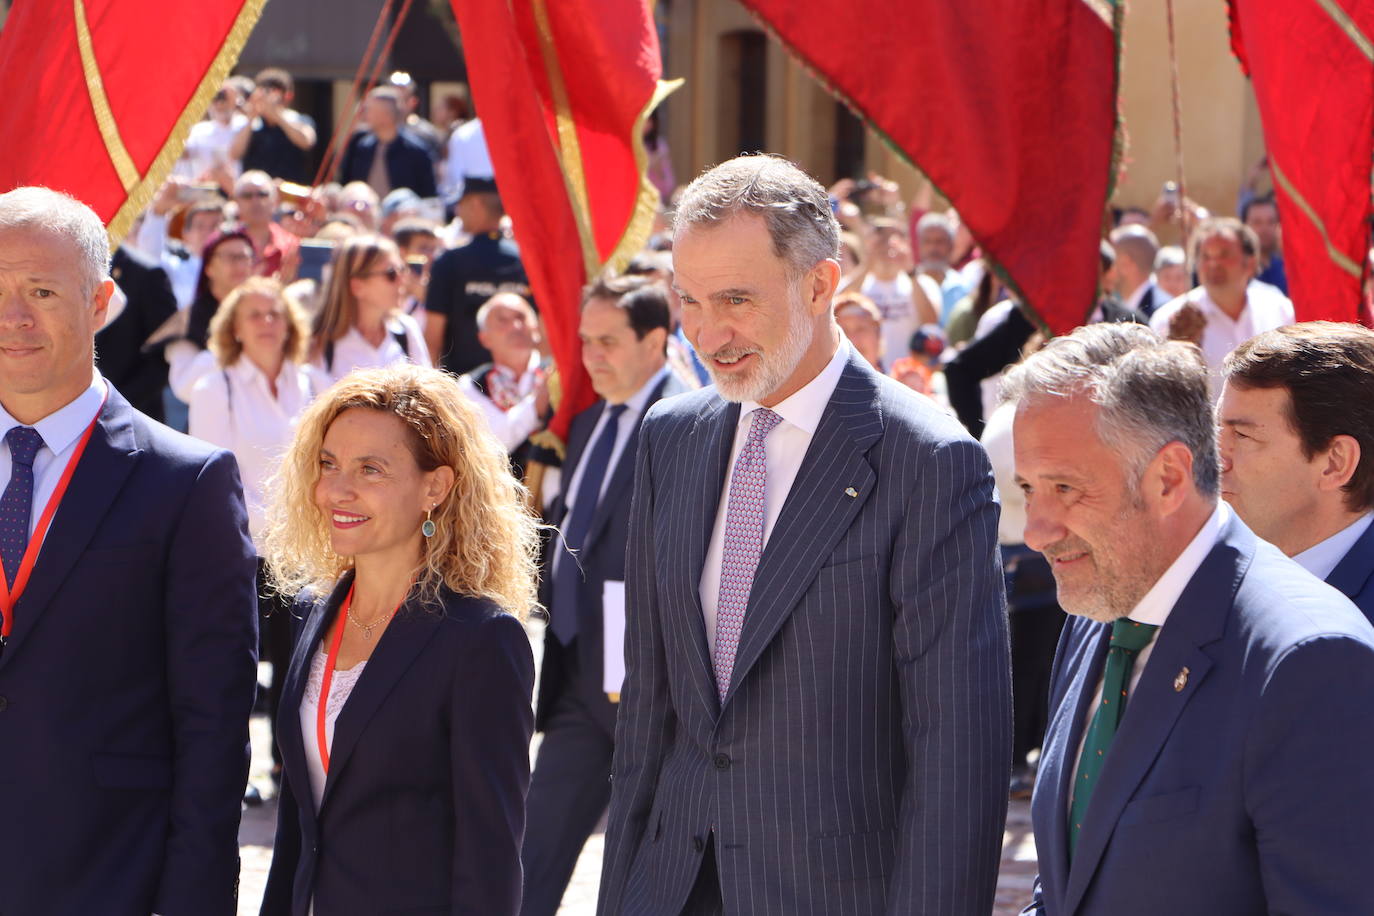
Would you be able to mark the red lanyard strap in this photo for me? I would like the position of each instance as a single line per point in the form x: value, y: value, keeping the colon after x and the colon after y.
x: 322, y: 711
x: 10, y: 597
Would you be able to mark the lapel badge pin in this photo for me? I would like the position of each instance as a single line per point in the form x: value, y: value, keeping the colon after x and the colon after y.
x: 850, y: 492
x: 1181, y: 680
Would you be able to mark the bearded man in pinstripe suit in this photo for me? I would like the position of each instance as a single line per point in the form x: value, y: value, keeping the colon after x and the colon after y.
x: 816, y: 716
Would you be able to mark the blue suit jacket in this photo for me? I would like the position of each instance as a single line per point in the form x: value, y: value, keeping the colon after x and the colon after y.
x: 859, y: 763
x: 424, y: 805
x: 1354, y: 575
x: 601, y: 559
x: 1240, y: 778
x: 408, y: 163
x: 127, y: 682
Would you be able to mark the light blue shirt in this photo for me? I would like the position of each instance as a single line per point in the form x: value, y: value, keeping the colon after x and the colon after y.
x: 1321, y: 559
x: 60, y: 430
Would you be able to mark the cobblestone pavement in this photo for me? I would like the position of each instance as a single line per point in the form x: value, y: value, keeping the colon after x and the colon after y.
x: 259, y: 825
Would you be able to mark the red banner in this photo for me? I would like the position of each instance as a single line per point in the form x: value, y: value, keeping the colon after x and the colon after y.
x: 1312, y: 67
x: 100, y: 94
x: 1010, y: 108
x: 563, y: 90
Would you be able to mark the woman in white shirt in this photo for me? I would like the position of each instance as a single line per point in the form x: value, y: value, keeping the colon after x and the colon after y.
x: 361, y: 323
x: 249, y: 404
x: 227, y: 260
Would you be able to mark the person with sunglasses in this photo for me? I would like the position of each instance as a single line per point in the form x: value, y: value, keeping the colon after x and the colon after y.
x: 360, y: 323
x: 256, y: 198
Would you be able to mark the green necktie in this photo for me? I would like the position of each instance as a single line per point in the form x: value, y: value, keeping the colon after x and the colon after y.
x: 1128, y: 638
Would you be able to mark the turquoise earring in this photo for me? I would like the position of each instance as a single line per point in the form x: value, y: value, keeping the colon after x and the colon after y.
x: 428, y: 529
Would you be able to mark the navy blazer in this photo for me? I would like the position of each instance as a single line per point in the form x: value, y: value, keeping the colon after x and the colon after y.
x: 1354, y: 574
x: 408, y: 163
x: 1240, y: 779
x: 127, y: 682
x: 424, y: 805
x: 859, y: 762
x: 601, y: 559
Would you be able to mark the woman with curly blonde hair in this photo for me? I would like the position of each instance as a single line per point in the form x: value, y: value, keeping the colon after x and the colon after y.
x: 406, y: 769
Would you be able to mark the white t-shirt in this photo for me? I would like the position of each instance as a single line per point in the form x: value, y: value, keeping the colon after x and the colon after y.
x: 893, y: 299
x: 352, y: 351
x: 467, y: 157
x: 1266, y: 308
x: 207, y: 145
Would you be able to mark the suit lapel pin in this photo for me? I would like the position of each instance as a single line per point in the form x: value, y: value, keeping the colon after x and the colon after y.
x: 850, y: 492
x: 1181, y: 680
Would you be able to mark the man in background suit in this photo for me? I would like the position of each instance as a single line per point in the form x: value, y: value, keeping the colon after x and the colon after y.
x: 1211, y: 745
x: 624, y: 329
x: 129, y: 658
x: 139, y: 375
x: 1297, y: 448
x: 816, y: 716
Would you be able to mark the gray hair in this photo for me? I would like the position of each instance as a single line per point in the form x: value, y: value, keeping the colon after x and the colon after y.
x: 1137, y: 243
x: 1170, y: 256
x: 1148, y: 391
x: 61, y: 214
x: 505, y: 301
x: 935, y: 220
x: 793, y: 205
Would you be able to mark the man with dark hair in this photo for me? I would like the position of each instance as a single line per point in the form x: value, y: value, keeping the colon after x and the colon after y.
x: 431, y: 137
x: 465, y: 277
x: 1296, y: 422
x: 384, y: 155
x: 817, y: 706
x: 1262, y: 215
x: 1229, y: 307
x: 277, y: 138
x: 624, y: 329
x: 1211, y: 745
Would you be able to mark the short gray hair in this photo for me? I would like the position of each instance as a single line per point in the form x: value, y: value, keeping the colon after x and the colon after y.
x: 936, y: 220
x: 1170, y: 256
x: 1148, y: 391
x: 793, y: 205
x: 61, y: 214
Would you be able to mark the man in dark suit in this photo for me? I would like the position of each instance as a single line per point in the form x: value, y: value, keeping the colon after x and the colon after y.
x: 1211, y: 747
x: 384, y: 155
x: 1297, y: 448
x: 1135, y: 247
x: 816, y: 716
x: 128, y: 659
x: 624, y: 329
x: 140, y: 376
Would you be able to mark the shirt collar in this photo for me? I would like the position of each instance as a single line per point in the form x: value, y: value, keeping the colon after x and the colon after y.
x: 1321, y: 559
x: 634, y: 405
x: 803, y: 408
x: 1154, y: 608
x: 506, y: 372
x: 61, y: 428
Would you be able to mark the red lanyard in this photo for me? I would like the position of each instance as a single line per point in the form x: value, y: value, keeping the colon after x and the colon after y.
x: 322, y: 711
x: 10, y: 597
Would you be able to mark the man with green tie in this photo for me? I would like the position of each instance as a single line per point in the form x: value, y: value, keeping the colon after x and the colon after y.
x: 1211, y: 744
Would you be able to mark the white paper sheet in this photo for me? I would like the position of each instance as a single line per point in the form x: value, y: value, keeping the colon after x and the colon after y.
x: 613, y: 633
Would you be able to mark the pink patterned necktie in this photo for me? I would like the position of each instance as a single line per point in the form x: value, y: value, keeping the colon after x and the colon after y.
x: 743, y: 544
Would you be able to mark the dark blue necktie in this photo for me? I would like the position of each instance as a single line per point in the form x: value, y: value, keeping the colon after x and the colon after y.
x: 567, y: 575
x: 17, y: 504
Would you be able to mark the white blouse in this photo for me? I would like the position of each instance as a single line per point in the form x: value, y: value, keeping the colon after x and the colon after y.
x: 352, y: 351
x: 339, y: 690
x: 234, y: 408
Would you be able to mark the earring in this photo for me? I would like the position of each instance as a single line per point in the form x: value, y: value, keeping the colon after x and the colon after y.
x: 428, y: 529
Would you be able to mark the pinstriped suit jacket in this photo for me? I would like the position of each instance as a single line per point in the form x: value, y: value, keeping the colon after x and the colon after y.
x: 859, y: 763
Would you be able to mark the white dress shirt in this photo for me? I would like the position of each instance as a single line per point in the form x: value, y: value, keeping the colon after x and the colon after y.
x: 784, y: 449
x: 352, y: 351
x: 1158, y: 603
x: 1322, y: 559
x: 60, y: 431
x: 634, y: 407
x: 516, y: 425
x: 235, y: 409
x: 997, y: 440
x: 1266, y: 308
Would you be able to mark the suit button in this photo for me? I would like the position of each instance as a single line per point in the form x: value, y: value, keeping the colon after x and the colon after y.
x: 722, y: 761
x: 698, y: 843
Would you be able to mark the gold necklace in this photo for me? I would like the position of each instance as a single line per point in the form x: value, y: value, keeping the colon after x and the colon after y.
x: 367, y: 628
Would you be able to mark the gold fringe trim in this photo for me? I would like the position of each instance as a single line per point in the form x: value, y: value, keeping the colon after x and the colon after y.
x: 100, y: 102
x: 1341, y: 259
x: 142, y: 194
x: 641, y: 224
x: 569, y: 151
x: 1349, y: 27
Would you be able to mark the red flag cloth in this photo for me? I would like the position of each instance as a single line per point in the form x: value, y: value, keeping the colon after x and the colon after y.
x: 563, y: 90
x: 1312, y: 67
x: 1010, y: 108
x: 100, y: 94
